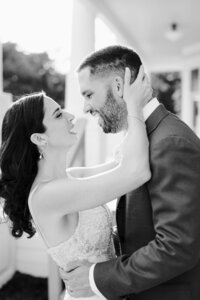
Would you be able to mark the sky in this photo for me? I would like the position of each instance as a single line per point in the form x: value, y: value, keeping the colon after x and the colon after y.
x: 37, y: 26
x: 45, y: 25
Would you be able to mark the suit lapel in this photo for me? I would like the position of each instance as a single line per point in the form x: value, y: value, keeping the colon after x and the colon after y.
x: 120, y: 217
x: 155, y: 118
x: 151, y: 124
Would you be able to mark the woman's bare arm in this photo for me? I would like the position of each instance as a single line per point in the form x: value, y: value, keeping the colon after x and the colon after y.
x: 65, y: 196
x: 80, y: 172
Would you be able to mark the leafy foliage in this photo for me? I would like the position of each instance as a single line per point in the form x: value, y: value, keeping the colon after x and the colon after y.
x: 26, y: 73
x: 167, y: 88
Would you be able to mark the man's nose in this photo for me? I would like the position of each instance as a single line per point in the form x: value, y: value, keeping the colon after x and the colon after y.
x: 86, y: 107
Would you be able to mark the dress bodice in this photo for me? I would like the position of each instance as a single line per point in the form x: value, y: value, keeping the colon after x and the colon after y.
x: 92, y: 239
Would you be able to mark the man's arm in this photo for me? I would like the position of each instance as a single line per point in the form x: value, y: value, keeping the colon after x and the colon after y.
x: 92, y: 284
x: 174, y: 191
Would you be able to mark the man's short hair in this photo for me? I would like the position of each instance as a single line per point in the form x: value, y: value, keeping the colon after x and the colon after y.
x: 112, y: 59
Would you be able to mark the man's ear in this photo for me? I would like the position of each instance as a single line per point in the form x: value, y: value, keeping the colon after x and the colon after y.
x: 118, y: 86
x: 38, y: 139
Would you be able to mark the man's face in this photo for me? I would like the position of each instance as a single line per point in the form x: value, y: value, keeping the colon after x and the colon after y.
x: 99, y: 100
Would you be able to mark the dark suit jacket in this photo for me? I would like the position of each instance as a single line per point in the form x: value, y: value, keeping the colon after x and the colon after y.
x: 159, y: 223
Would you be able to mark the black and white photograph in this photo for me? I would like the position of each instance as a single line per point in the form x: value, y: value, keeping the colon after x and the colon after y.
x: 99, y: 150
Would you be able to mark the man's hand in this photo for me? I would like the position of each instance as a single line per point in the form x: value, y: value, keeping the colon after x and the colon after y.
x: 77, y: 279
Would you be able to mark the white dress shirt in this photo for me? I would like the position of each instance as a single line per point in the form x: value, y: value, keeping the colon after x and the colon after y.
x: 147, y: 111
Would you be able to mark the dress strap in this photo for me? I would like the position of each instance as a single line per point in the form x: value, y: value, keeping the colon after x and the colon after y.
x: 34, y: 217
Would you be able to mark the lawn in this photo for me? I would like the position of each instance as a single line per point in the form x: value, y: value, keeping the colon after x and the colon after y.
x: 24, y: 287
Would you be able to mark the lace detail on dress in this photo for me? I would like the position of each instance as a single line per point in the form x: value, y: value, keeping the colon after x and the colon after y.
x: 92, y: 239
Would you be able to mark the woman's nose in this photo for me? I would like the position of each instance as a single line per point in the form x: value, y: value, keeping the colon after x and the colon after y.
x: 70, y: 117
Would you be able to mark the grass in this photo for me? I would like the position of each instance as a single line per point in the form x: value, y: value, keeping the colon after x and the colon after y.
x: 24, y: 287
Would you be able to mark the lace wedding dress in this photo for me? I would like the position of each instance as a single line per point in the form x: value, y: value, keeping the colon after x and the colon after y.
x: 92, y: 241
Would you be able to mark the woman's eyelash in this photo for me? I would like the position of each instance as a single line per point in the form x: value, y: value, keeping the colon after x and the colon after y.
x: 59, y: 115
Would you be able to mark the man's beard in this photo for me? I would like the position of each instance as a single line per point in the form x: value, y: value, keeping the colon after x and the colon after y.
x: 113, y: 114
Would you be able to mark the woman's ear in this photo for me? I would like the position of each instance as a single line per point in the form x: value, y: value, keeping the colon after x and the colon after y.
x: 118, y: 86
x: 38, y: 139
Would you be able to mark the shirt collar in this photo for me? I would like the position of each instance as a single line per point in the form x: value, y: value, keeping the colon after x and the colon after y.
x: 150, y: 107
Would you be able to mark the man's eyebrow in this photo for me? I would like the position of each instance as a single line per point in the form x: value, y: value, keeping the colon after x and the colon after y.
x: 57, y: 109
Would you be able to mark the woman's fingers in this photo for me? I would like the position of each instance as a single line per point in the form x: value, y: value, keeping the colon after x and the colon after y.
x: 146, y: 80
x: 127, y: 77
x: 140, y: 75
x: 139, y: 91
x: 147, y: 88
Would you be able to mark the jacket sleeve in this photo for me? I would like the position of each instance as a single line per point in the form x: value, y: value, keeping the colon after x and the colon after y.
x: 175, y: 197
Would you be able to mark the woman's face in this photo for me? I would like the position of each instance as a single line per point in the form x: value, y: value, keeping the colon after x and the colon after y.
x: 58, y: 123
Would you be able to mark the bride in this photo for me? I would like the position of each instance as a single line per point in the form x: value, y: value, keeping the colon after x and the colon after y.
x: 67, y: 207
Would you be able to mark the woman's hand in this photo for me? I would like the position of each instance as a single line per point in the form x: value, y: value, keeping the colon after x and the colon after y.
x: 137, y: 94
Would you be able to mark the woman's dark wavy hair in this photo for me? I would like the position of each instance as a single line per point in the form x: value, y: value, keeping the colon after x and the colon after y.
x: 19, y: 159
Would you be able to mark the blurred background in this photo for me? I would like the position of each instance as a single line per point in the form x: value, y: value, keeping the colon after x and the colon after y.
x: 41, y: 44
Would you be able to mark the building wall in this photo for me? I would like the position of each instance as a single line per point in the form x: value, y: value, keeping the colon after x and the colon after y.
x: 7, y: 254
x: 31, y: 256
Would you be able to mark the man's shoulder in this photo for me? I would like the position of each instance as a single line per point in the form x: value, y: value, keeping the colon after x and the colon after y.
x: 173, y: 127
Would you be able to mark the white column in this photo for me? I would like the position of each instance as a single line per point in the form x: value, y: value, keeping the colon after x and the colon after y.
x: 187, y: 101
x: 7, y: 254
x: 198, y: 104
x: 1, y: 67
x: 83, y: 43
x: 5, y: 99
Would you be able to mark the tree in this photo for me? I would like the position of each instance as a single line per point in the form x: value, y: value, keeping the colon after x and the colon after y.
x: 26, y: 73
x: 167, y: 88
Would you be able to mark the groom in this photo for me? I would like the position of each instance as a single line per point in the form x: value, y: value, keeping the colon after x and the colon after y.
x: 159, y: 223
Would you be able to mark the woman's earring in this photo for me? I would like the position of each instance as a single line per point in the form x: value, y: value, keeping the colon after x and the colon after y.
x: 42, y: 151
x: 41, y: 155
